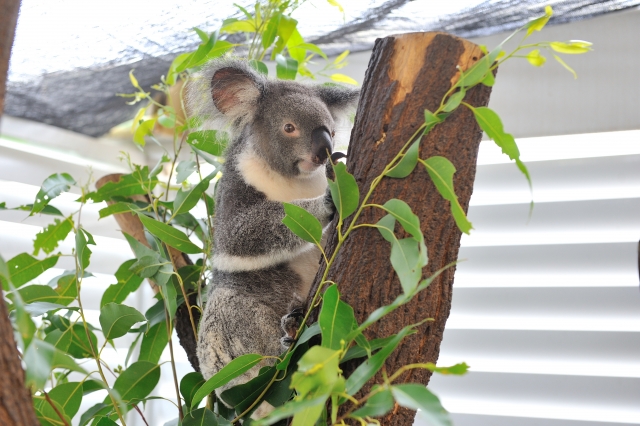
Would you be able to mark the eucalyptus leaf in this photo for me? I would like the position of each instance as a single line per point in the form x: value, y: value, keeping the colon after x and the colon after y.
x: 117, y: 208
x: 415, y: 396
x: 200, y: 417
x: 153, y: 343
x: 184, y: 170
x: 212, y: 142
x: 302, y: 223
x: 378, y: 405
x: 370, y: 367
x: 116, y: 320
x: 24, y: 267
x: 52, y: 186
x: 441, y: 172
x: 48, y: 239
x: 229, y: 372
x: 336, y: 320
x: 344, y: 191
x: 186, y: 200
x: 137, y: 381
x: 170, y: 235
x: 286, y: 68
x: 407, y: 163
x: 189, y: 385
x: 68, y: 396
x: 128, y: 282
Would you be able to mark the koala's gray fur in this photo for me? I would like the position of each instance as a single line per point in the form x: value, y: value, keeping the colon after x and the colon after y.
x: 261, y: 271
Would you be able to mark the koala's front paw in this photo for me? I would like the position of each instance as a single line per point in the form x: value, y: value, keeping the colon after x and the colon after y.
x: 328, y: 203
x: 290, y: 324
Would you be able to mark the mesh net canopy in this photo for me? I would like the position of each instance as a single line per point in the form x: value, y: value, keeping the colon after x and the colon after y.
x: 71, y: 57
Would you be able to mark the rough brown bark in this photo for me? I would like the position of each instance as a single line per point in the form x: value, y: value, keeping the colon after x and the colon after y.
x: 16, y: 406
x: 406, y: 75
x: 131, y: 224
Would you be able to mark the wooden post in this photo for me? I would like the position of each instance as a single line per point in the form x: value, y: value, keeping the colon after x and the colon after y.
x: 407, y: 74
x: 16, y: 406
x: 131, y: 224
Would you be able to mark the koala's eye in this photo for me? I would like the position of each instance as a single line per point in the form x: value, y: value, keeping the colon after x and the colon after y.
x: 289, y: 128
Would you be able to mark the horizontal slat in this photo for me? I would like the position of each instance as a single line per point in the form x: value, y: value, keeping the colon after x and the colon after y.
x: 586, y: 259
x: 584, y: 347
x: 561, y: 180
x: 541, y: 396
x: 577, y: 222
x: 497, y: 420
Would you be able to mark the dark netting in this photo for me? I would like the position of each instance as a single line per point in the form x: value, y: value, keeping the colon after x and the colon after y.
x: 83, y: 99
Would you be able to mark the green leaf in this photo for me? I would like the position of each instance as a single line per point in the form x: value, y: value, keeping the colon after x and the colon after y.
x: 184, y: 170
x: 68, y: 396
x: 212, y: 142
x: 312, y: 48
x: 489, y: 80
x: 342, y: 78
x: 98, y: 409
x: 83, y: 239
x: 336, y: 320
x: 490, y: 122
x: 116, y: 320
x: 378, y: 405
x: 454, y: 101
x: 441, y: 172
x: 67, y: 288
x: 286, y: 68
x: 407, y: 163
x: 242, y: 396
x: 63, y: 361
x: 49, y: 209
x: 344, y: 191
x: 270, y: 32
x: 289, y: 409
x: 458, y: 369
x: 302, y: 223
x: 407, y: 262
x: 564, y: 64
x: 172, y: 73
x: 259, y: 66
x: 475, y: 74
x: 47, y: 240
x: 137, y: 183
x: 229, y: 372
x: 144, y: 129
x: 200, y: 417
x: 37, y: 293
x: 417, y: 397
x: 169, y: 235
x: 402, y: 212
x: 186, y: 200
x: 128, y: 282
x: 38, y: 358
x: 24, y: 267
x: 573, y: 47
x: 153, y: 343
x: 189, y: 385
x: 137, y: 381
x: 117, y: 208
x: 286, y: 27
x: 536, y: 24
x: 359, y: 352
x: 52, y: 186
x: 370, y: 367
x: 48, y: 416
x: 147, y: 266
x: 535, y: 58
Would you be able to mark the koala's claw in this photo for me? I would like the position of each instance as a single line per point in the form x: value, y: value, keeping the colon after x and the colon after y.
x: 290, y: 324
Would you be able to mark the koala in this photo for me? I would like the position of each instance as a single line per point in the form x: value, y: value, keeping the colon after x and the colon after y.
x: 282, y: 134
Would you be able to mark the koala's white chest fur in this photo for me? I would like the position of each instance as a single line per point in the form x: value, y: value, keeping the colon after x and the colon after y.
x: 256, y: 172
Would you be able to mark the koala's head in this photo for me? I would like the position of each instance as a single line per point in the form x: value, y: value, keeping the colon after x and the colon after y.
x: 289, y: 124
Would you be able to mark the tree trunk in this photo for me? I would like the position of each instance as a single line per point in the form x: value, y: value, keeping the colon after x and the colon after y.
x: 16, y: 406
x: 132, y: 225
x: 406, y: 75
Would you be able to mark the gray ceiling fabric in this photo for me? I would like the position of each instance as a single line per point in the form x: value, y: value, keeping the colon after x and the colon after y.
x: 78, y: 92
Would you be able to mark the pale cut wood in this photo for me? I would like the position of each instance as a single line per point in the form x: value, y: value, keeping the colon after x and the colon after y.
x: 407, y: 74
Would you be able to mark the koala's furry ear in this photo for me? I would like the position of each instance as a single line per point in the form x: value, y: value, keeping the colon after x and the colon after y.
x: 340, y: 100
x: 225, y: 94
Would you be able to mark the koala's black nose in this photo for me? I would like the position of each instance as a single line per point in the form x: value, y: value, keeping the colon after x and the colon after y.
x: 321, y: 146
